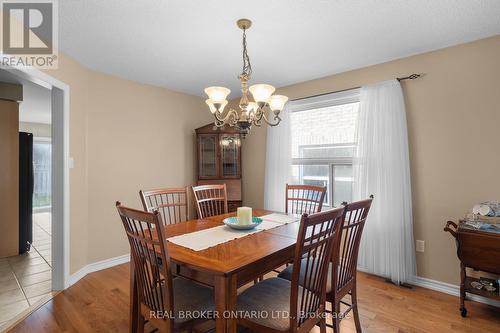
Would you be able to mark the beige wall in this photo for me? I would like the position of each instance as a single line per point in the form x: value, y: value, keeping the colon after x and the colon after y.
x: 76, y: 77
x: 453, y: 123
x: 139, y: 137
x: 124, y: 136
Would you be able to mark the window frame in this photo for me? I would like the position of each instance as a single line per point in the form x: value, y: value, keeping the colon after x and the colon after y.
x: 309, y: 104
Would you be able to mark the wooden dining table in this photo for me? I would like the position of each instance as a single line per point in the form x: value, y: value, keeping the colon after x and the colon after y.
x: 226, y: 266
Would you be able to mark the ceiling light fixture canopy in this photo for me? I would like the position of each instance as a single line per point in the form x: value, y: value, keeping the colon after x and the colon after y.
x: 251, y: 112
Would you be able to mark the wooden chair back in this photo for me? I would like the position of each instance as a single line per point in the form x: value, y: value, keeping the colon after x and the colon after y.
x: 145, y: 232
x: 171, y: 203
x: 315, y: 241
x: 210, y: 200
x: 345, y: 255
x: 304, y: 199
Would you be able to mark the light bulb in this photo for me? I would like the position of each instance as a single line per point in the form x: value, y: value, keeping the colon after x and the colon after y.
x: 261, y: 93
x: 217, y: 94
x: 277, y: 102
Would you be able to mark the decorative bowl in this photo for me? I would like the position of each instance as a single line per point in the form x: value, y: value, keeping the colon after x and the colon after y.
x: 233, y: 223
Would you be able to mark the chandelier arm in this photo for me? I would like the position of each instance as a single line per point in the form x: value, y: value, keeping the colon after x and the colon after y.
x: 276, y: 118
x: 218, y: 123
x: 227, y: 119
x: 258, y: 117
x: 259, y: 114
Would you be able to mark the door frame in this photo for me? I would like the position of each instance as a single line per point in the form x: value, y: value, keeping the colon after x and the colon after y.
x: 60, y: 170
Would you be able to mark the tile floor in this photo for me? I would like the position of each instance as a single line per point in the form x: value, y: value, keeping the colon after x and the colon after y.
x: 25, y: 279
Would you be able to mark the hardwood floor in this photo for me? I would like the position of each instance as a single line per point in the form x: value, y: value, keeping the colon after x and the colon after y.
x: 99, y: 303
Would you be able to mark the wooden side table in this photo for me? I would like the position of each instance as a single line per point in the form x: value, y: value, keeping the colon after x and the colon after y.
x: 478, y: 250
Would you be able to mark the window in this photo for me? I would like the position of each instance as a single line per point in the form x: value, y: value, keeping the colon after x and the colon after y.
x: 323, y: 142
x: 42, y: 163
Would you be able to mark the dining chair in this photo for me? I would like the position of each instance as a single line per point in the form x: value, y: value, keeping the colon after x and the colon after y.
x: 172, y: 203
x: 344, y: 261
x: 296, y: 306
x: 300, y: 199
x: 162, y: 300
x: 210, y: 200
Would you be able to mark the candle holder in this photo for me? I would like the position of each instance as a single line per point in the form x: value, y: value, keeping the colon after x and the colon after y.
x: 233, y: 222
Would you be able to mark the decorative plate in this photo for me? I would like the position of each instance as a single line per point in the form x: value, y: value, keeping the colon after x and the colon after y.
x: 233, y: 223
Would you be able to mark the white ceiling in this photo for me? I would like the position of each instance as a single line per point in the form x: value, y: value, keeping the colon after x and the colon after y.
x: 36, y: 106
x: 187, y: 45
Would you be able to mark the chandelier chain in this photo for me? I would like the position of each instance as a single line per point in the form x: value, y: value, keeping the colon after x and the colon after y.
x: 247, y: 67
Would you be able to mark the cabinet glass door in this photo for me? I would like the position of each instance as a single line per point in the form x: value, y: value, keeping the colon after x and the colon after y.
x: 230, y: 158
x: 208, y: 156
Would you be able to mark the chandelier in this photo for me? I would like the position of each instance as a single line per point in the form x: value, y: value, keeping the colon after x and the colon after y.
x: 251, y: 112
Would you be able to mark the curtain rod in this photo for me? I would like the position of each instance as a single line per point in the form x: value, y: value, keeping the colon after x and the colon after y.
x: 409, y: 77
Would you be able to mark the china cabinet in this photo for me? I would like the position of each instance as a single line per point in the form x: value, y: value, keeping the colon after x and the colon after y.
x: 219, y: 160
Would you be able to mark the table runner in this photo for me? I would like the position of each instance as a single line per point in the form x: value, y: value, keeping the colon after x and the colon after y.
x: 203, y: 239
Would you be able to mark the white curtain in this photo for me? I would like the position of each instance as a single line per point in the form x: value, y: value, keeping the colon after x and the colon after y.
x: 382, y: 167
x: 278, y: 163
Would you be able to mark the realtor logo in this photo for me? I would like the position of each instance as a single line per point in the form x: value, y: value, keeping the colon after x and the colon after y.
x: 29, y: 33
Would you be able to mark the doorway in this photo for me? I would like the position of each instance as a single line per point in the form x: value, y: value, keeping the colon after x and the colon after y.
x: 44, y: 268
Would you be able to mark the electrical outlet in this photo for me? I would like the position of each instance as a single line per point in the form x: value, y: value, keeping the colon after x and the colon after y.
x: 420, y: 246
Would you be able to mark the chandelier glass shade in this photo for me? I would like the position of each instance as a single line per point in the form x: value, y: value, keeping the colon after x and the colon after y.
x: 264, y: 106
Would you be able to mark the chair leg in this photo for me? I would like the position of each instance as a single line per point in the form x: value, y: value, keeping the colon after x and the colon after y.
x: 140, y: 324
x: 259, y: 279
x: 463, y: 275
x: 354, y: 300
x: 322, y: 325
x: 335, y: 316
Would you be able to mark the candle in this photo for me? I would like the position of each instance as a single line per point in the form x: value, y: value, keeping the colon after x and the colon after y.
x: 244, y: 215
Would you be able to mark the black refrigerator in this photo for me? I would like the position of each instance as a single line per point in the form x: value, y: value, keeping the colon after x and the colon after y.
x: 25, y: 191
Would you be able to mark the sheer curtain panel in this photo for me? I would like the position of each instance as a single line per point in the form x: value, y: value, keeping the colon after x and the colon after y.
x: 382, y: 167
x: 278, y: 163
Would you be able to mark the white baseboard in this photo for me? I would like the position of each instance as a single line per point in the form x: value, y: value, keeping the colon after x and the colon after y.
x: 97, y: 266
x: 450, y: 289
